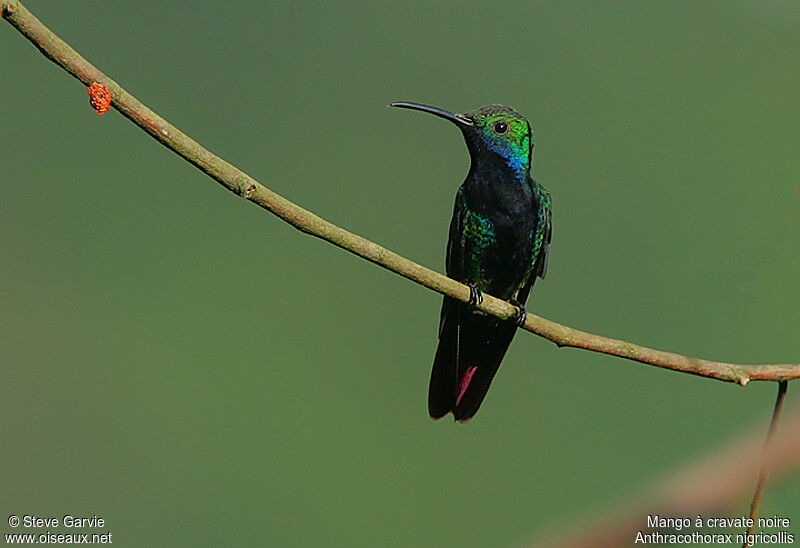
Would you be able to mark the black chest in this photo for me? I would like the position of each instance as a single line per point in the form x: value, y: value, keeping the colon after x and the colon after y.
x: 509, y: 202
x: 509, y: 207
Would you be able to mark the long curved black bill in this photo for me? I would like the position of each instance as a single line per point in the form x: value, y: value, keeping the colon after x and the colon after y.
x: 454, y: 117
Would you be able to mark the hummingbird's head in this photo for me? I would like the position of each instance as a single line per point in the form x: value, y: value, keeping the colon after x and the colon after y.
x: 491, y: 131
x: 503, y: 131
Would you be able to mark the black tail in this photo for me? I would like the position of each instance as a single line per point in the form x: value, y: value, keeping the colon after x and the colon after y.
x: 471, y: 347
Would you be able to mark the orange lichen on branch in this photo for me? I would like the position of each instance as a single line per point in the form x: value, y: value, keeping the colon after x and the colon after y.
x: 99, y: 97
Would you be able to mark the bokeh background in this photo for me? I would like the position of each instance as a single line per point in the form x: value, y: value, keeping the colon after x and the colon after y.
x: 196, y: 372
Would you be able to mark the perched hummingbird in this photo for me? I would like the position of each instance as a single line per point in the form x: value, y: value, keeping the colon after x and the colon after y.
x: 498, y: 244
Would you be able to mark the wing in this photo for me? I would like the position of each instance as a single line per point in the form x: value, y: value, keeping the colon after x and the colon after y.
x: 454, y: 261
x: 454, y: 257
x: 541, y: 260
x: 471, y: 344
x: 444, y: 376
x: 540, y: 267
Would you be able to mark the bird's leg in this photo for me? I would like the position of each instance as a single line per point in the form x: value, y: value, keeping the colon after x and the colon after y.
x: 475, y: 295
x: 521, y: 314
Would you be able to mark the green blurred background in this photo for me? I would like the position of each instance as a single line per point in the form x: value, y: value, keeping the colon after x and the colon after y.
x: 196, y: 372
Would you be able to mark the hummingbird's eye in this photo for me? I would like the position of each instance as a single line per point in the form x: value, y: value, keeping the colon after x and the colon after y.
x: 500, y: 127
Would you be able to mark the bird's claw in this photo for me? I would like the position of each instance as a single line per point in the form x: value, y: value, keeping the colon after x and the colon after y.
x: 521, y: 314
x: 475, y: 295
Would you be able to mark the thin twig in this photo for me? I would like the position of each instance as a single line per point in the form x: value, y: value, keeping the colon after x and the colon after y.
x: 765, y: 460
x: 242, y: 184
x: 712, y: 485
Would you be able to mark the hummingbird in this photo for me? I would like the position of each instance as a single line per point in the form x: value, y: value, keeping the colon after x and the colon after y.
x: 498, y: 243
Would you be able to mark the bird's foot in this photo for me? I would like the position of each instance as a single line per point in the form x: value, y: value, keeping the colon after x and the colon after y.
x: 475, y: 295
x: 521, y: 314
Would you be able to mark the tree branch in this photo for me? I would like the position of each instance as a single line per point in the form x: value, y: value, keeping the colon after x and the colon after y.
x: 242, y: 184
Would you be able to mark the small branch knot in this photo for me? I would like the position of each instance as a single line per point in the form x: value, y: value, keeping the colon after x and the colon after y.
x: 743, y: 381
x: 8, y: 7
x: 248, y: 191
